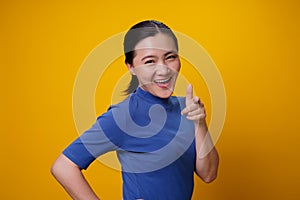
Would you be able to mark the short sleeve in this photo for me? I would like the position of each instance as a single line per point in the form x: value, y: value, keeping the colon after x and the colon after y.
x: 87, y: 147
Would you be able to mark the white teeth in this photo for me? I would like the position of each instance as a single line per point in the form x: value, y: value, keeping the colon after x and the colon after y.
x: 163, y: 81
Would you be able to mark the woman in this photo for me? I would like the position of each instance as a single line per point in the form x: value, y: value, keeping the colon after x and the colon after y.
x: 160, y: 140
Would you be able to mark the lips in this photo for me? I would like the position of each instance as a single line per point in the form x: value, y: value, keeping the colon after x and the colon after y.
x: 162, y: 81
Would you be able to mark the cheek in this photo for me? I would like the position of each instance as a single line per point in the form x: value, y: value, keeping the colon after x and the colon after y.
x: 144, y: 73
x: 176, y: 66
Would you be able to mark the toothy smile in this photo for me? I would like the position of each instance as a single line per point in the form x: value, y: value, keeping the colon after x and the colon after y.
x: 163, y: 81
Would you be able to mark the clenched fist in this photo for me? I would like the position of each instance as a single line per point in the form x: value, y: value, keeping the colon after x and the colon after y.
x: 194, y: 109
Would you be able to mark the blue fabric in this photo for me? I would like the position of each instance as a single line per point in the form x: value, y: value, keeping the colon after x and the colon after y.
x: 154, y: 144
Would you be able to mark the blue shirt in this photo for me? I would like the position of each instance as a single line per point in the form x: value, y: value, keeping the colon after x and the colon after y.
x: 154, y: 144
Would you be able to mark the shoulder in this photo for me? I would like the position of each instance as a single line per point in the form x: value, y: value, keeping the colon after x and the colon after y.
x: 178, y: 100
x: 121, y: 109
x: 120, y: 105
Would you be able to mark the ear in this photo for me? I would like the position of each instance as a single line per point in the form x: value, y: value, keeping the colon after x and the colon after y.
x: 130, y: 68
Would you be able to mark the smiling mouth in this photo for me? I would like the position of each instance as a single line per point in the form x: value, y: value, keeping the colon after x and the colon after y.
x: 164, y: 81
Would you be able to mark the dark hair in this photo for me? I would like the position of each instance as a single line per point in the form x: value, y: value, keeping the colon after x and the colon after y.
x: 138, y: 32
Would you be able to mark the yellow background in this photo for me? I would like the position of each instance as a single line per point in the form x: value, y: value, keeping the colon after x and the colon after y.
x: 255, y: 45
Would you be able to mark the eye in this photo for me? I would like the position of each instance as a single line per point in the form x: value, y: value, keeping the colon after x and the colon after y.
x: 149, y: 61
x: 171, y: 57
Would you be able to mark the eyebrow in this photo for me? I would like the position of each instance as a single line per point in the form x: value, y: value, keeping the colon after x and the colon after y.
x: 152, y: 56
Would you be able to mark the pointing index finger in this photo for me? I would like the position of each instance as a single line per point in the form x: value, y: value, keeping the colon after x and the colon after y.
x: 189, y: 94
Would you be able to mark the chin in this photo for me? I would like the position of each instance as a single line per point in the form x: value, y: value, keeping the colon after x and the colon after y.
x: 163, y: 93
x: 158, y: 91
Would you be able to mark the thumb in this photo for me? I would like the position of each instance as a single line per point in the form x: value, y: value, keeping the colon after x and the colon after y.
x: 189, y: 95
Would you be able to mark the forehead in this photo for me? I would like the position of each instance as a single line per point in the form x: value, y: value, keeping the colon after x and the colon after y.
x: 160, y: 42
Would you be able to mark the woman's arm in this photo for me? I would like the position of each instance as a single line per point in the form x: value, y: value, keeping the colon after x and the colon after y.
x: 207, y: 159
x: 70, y: 177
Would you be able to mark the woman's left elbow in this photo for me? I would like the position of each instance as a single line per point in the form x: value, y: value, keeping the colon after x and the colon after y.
x: 209, y: 179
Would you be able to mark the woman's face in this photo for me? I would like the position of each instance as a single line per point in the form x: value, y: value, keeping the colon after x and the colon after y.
x: 156, y: 64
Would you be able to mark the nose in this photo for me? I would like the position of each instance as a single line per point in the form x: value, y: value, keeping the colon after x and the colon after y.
x: 162, y: 69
